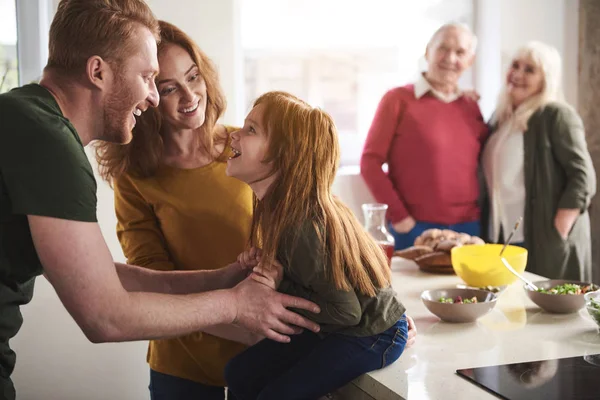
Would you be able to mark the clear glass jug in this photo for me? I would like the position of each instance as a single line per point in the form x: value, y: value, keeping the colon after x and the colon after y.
x: 374, y: 214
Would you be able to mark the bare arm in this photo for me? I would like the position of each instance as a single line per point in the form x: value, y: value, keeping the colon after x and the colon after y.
x: 137, y: 279
x: 78, y: 264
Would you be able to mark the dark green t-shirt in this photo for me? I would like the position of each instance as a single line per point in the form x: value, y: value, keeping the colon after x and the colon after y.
x: 43, y: 171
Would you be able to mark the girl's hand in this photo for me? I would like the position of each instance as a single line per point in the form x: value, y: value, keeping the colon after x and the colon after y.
x: 564, y: 220
x: 270, y: 276
x: 412, y: 332
x: 249, y: 259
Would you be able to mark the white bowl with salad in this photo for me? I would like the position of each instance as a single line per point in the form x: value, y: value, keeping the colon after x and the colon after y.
x: 560, y: 296
x: 459, y: 305
x: 592, y: 304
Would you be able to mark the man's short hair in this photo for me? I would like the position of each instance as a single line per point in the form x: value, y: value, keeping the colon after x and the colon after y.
x: 105, y: 28
x: 454, y: 25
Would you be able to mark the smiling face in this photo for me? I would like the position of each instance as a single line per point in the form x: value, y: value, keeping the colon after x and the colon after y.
x: 449, y: 55
x: 524, y: 80
x: 250, y: 146
x: 132, y: 91
x: 182, y: 89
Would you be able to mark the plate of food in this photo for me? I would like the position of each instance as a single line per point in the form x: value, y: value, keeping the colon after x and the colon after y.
x: 431, y: 249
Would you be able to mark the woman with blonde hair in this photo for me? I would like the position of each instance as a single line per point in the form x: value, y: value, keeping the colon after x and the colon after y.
x: 177, y: 209
x: 537, y: 166
x: 288, y: 153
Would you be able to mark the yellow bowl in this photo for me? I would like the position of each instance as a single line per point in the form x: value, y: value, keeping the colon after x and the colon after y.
x: 480, y: 265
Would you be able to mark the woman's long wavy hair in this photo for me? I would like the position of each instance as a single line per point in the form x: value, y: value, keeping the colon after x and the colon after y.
x: 142, y: 156
x: 548, y: 59
x: 304, y: 151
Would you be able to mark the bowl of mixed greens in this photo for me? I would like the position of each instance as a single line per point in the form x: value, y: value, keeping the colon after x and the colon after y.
x: 560, y: 296
x: 592, y: 304
x: 459, y: 305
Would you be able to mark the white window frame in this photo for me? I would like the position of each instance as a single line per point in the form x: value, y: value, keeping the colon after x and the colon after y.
x: 33, y: 25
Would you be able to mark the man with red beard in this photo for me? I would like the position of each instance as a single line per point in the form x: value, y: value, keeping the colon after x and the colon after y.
x: 100, y: 75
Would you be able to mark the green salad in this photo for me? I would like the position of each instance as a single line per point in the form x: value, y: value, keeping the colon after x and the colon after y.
x: 569, y: 288
x: 594, y: 309
x: 458, y: 300
x: 493, y: 289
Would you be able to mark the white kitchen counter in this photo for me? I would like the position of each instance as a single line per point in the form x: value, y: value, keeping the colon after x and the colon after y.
x: 516, y: 330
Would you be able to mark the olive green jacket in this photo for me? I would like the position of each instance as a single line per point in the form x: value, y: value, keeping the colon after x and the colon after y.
x: 307, y: 272
x: 558, y: 173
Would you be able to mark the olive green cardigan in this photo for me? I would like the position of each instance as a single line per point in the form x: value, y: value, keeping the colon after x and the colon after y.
x: 307, y: 275
x: 558, y: 173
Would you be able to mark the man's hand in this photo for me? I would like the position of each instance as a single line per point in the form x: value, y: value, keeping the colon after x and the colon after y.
x: 405, y: 226
x: 262, y: 310
x: 412, y: 332
x: 270, y: 276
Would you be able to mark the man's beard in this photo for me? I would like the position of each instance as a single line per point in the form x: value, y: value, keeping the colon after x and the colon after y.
x: 117, y: 114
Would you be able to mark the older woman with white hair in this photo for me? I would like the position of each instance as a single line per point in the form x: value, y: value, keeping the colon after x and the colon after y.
x: 537, y: 165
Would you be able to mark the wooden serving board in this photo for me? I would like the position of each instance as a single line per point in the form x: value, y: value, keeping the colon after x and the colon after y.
x: 437, y: 269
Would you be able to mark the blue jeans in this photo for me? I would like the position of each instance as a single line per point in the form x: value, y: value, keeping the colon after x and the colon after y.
x: 311, y: 366
x: 404, y: 240
x: 168, y: 387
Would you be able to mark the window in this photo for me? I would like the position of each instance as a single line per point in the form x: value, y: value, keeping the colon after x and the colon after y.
x: 340, y: 55
x: 9, y: 75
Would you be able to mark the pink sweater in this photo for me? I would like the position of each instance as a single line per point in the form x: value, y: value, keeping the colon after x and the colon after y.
x: 432, y: 151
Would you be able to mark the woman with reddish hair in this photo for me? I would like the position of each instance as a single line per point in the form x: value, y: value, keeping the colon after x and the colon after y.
x: 177, y: 209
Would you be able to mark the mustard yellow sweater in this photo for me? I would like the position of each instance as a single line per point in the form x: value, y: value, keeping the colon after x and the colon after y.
x: 185, y: 219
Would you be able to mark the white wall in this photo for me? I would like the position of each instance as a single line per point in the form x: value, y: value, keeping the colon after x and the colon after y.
x: 215, y: 26
x: 32, y: 38
x: 352, y: 189
x: 488, y: 60
x: 512, y: 23
x: 554, y: 22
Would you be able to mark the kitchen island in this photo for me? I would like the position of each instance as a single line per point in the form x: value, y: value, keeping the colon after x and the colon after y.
x: 516, y: 330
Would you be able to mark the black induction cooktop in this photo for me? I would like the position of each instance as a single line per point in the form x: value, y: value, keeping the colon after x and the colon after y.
x: 574, y: 378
